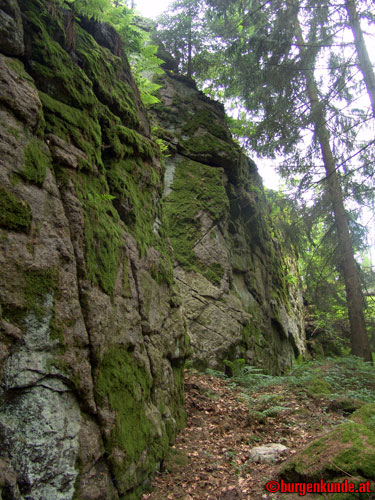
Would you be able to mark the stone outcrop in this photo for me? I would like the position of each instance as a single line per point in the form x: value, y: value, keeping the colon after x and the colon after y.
x: 239, y: 287
x: 95, y: 304
x: 92, y: 339
x: 347, y: 451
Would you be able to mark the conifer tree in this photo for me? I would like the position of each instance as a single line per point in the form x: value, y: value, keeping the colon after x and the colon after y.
x: 363, y: 56
x: 182, y: 31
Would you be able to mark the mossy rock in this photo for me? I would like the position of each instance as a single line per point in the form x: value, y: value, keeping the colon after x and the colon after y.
x: 36, y: 162
x: 319, y: 387
x: 125, y: 385
x: 346, y: 405
x: 196, y: 188
x: 348, y: 450
x: 366, y: 416
x: 15, y: 214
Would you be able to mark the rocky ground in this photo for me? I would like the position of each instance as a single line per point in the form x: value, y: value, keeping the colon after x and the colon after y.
x: 211, y: 458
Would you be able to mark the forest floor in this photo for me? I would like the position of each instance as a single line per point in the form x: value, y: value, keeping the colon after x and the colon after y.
x: 210, y: 458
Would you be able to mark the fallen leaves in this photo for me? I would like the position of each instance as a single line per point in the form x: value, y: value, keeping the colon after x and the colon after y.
x: 220, y: 434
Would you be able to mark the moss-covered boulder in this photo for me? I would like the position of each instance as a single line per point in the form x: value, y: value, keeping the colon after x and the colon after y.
x: 366, y: 416
x: 346, y: 452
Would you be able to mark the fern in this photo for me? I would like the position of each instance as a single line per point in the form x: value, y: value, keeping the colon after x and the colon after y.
x: 135, y: 40
x: 274, y: 410
x: 92, y: 9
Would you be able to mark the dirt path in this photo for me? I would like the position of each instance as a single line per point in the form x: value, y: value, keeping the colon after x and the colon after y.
x: 210, y: 459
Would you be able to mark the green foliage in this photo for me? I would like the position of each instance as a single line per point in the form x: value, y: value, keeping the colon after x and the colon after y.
x: 146, y: 67
x: 235, y: 367
x: 347, y: 376
x: 15, y: 214
x: 334, y: 377
x: 94, y: 9
x: 182, y: 32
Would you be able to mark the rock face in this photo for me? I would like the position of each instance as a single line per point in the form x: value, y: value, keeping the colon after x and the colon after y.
x: 92, y: 337
x: 237, y: 284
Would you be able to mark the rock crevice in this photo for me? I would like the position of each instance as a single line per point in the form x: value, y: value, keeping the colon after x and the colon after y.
x: 95, y: 304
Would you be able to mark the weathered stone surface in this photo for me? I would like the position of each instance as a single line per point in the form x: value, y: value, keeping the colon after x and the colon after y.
x: 63, y: 153
x: 92, y: 337
x: 268, y: 453
x: 11, y: 29
x: 8, y: 481
x: 239, y: 287
x: 194, y: 124
x: 17, y: 92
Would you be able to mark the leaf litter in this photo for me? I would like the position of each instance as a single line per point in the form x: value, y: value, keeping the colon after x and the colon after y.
x: 210, y: 458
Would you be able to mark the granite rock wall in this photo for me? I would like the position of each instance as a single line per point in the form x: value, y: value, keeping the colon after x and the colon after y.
x: 239, y: 284
x: 92, y: 337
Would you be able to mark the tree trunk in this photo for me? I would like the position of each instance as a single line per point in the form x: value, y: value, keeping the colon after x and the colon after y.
x: 359, y: 340
x: 363, y: 58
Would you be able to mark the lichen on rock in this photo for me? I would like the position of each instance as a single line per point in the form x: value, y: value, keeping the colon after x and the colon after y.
x: 92, y: 338
x: 231, y: 272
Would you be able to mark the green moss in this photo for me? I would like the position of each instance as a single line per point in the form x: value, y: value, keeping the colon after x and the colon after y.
x: 206, y: 118
x: 349, y: 448
x: 103, y: 232
x: 76, y: 126
x: 123, y: 142
x: 213, y: 272
x: 360, y: 457
x: 366, y: 416
x: 125, y: 384
x: 54, y: 71
x: 19, y: 68
x: 136, y: 186
x: 36, y: 162
x: 208, y: 144
x: 103, y: 69
x: 196, y: 188
x: 15, y: 214
x: 38, y: 284
x: 319, y: 387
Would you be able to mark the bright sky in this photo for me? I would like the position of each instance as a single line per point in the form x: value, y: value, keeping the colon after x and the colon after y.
x: 151, y: 8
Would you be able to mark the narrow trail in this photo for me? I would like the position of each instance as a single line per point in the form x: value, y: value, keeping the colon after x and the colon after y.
x: 210, y: 459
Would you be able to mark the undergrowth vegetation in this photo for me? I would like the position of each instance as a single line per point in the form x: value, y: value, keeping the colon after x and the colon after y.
x: 334, y: 378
